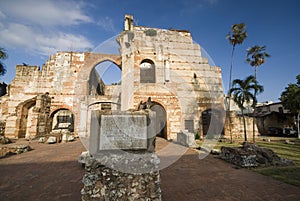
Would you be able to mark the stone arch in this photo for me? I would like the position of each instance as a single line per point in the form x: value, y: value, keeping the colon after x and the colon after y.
x: 169, y: 101
x: 61, y: 118
x: 80, y: 105
x: 22, y: 117
x: 91, y: 60
x: 161, y: 119
x: 147, y: 71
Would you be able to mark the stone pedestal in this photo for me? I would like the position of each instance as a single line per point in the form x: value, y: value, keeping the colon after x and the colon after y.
x: 110, y: 182
x: 123, y: 164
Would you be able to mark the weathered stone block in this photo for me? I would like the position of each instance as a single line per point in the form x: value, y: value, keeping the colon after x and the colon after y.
x: 186, y: 139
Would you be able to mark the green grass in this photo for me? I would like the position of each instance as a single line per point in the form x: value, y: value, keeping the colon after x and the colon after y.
x: 288, y: 174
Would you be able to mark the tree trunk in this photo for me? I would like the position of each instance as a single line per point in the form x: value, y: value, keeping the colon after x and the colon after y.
x: 229, y: 95
x: 244, y: 121
x: 298, y: 129
x: 254, y: 106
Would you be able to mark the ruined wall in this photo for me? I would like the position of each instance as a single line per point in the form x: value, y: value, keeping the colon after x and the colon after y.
x: 237, y: 127
x: 184, y: 84
x: 274, y: 119
x: 57, y: 77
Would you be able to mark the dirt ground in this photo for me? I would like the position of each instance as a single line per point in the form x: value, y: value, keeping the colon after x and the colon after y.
x: 51, y: 172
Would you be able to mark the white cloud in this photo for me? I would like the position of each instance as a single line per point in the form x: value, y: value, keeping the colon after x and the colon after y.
x: 46, y: 12
x: 21, y: 36
x: 40, y: 26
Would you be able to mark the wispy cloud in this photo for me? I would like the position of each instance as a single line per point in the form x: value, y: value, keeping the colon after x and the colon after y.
x: 192, y: 6
x: 107, y: 24
x: 46, y: 12
x: 21, y: 36
x: 43, y: 27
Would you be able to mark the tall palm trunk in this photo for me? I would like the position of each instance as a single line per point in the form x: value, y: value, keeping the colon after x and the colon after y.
x: 244, y: 121
x: 298, y: 129
x: 254, y: 105
x: 229, y: 96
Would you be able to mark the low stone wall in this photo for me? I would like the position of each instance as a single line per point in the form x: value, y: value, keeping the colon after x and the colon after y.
x: 109, y: 182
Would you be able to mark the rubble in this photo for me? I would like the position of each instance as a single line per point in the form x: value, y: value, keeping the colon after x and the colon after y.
x: 4, y: 140
x: 14, y: 149
x: 105, y: 183
x: 251, y: 155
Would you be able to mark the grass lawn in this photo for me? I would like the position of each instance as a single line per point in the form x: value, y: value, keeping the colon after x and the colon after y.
x: 288, y: 174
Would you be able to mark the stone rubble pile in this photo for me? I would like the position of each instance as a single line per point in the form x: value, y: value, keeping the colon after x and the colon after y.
x: 109, y: 182
x: 251, y: 155
x: 4, y: 140
x: 14, y: 149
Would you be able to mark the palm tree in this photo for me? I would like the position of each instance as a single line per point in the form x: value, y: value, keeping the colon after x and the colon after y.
x: 243, y: 92
x: 255, y: 57
x: 236, y: 36
x: 3, y: 55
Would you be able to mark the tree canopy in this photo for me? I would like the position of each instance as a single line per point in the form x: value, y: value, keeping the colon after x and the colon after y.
x: 3, y: 55
x: 244, y: 91
x: 290, y: 98
x: 237, y: 34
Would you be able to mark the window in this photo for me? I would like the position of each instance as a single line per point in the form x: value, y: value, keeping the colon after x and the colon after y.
x: 147, y: 71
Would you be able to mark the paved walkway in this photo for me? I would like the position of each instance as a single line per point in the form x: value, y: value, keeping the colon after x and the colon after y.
x: 51, y: 172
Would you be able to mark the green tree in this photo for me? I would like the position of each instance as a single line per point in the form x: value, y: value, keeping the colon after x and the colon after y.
x: 256, y: 57
x: 290, y: 99
x: 243, y: 92
x: 3, y: 55
x: 236, y: 36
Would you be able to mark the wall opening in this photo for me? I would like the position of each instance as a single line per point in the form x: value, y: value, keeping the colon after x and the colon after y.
x: 147, y: 71
x: 62, y: 119
x: 109, y: 72
x: 106, y: 73
x: 26, y: 118
x: 212, y: 122
x: 161, y: 120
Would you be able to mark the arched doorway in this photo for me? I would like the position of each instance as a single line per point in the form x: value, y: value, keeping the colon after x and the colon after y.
x: 161, y: 120
x: 24, y: 124
x: 62, y: 119
x: 212, y: 122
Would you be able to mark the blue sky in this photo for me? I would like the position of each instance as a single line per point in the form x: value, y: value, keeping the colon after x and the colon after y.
x: 31, y: 30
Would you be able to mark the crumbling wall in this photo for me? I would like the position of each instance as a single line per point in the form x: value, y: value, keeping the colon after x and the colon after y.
x: 237, y: 126
x: 184, y: 80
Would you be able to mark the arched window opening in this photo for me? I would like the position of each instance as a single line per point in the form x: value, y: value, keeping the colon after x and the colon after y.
x: 104, y: 74
x: 147, y: 71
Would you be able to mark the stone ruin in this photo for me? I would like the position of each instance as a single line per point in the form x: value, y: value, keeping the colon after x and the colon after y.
x: 251, y: 155
x: 164, y: 64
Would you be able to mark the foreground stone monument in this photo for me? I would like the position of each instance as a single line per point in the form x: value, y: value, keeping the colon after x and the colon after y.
x: 123, y: 164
